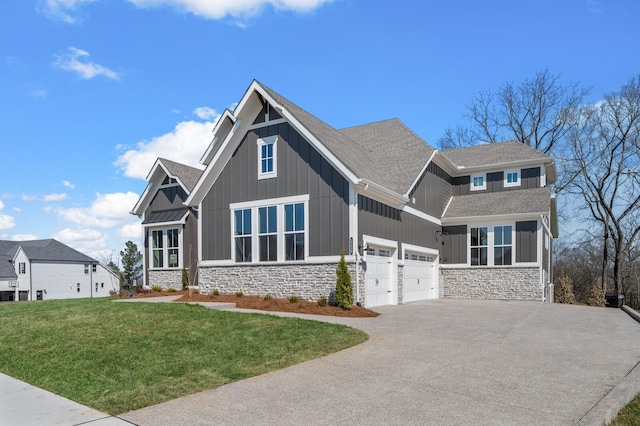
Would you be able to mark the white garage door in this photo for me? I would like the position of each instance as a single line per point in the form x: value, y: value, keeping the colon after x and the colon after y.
x: 378, y: 278
x: 419, y: 277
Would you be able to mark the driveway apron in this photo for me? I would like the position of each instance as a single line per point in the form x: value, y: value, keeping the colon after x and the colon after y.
x: 442, y: 362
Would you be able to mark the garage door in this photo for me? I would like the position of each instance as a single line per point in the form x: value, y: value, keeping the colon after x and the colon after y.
x: 378, y: 278
x: 419, y: 277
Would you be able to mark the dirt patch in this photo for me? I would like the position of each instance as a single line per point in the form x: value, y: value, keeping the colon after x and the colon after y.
x: 270, y: 304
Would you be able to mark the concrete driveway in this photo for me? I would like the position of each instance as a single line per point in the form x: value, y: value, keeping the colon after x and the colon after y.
x: 443, y: 362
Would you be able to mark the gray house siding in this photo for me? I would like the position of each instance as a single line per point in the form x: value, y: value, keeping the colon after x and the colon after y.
x: 526, y: 241
x: 171, y: 197
x: 383, y: 221
x: 529, y: 178
x: 300, y: 170
x: 433, y: 191
x: 453, y: 248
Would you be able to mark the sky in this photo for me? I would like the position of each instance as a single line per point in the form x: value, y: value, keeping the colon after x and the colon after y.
x: 93, y: 91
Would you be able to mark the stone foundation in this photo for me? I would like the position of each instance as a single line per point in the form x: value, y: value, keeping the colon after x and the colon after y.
x: 305, y: 281
x: 165, y: 279
x: 491, y: 283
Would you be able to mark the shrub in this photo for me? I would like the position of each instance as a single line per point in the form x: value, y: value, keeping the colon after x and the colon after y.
x: 595, y: 297
x: 171, y: 290
x: 156, y: 288
x: 239, y: 294
x: 216, y: 292
x: 344, y: 290
x: 185, y: 278
x: 563, y: 291
x: 322, y: 301
x: 266, y: 297
x: 293, y: 299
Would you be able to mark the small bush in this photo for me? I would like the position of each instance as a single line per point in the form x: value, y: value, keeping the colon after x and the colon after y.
x: 239, y: 294
x: 595, y: 297
x: 344, y: 289
x: 171, y: 290
x: 267, y: 297
x: 216, y: 292
x: 156, y: 288
x: 322, y: 301
x: 563, y: 291
x: 185, y: 278
x: 293, y: 299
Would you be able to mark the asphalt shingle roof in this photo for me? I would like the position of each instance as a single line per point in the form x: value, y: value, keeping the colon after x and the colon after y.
x: 493, y: 153
x: 385, y: 152
x: 535, y: 200
x: 50, y: 249
x: 188, y: 175
x: 160, y: 216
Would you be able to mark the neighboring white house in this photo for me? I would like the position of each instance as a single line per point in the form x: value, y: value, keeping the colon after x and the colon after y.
x: 48, y: 269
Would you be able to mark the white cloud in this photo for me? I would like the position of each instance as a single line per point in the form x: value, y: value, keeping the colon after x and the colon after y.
x: 86, y: 240
x: 1, y: 205
x: 185, y: 144
x: 55, y: 197
x: 73, y: 60
x: 38, y: 93
x: 68, y: 184
x: 26, y: 197
x: 106, y: 211
x: 6, y: 221
x: 206, y: 113
x: 62, y: 9
x: 235, y: 8
x: 131, y: 231
x: 23, y: 237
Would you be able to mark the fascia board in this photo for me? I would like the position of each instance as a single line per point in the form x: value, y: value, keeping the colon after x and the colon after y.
x: 422, y: 172
x: 501, y: 166
x: 493, y: 218
x: 554, y: 217
x: 208, y: 154
x: 552, y: 174
x: 142, y: 203
x: 443, y: 161
x: 380, y: 193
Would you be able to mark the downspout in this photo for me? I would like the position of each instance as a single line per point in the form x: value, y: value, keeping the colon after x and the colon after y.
x: 91, y: 281
x: 357, y: 277
x: 30, y: 283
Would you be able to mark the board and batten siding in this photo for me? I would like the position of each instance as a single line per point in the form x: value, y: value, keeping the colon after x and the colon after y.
x: 529, y: 178
x: 526, y: 241
x: 380, y: 220
x: 170, y: 197
x: 300, y: 170
x: 433, y: 191
x: 453, y: 248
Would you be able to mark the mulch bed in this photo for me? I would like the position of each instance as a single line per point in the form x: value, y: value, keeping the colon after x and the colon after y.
x: 271, y: 304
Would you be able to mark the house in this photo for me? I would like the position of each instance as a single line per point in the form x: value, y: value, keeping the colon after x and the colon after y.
x: 283, y: 194
x: 169, y: 227
x: 48, y: 269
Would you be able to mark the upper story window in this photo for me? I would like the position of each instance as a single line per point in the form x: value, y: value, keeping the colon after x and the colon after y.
x: 86, y: 268
x: 22, y: 268
x: 267, y: 157
x: 165, y: 248
x: 478, y: 182
x: 278, y: 234
x: 511, y: 178
x: 94, y: 268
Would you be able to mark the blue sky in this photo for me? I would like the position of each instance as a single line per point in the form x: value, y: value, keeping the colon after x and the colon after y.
x: 92, y: 91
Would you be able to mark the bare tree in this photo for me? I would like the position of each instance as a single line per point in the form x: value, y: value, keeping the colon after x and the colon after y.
x: 604, y: 169
x: 536, y: 112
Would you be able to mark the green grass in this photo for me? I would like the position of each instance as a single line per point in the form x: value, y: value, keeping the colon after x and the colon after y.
x: 629, y: 415
x: 117, y: 357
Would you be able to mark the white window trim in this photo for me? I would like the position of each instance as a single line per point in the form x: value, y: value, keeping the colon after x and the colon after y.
x: 267, y: 141
x: 279, y: 203
x: 512, y: 184
x: 491, y: 246
x: 165, y: 248
x: 478, y: 188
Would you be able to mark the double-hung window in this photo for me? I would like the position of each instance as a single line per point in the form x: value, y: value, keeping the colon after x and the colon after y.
x: 511, y: 178
x: 479, y: 245
x: 272, y: 232
x: 165, y: 248
x: 502, y: 246
x: 22, y: 268
x: 478, y: 182
x: 267, y: 157
x: 294, y: 231
x: 242, y: 235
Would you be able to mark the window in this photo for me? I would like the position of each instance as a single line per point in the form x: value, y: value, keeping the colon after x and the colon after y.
x: 479, y: 246
x: 272, y: 232
x: 478, y: 182
x: 94, y: 268
x: 294, y: 231
x: 22, y: 268
x: 38, y: 294
x: 86, y: 268
x: 511, y: 178
x: 157, y: 248
x: 502, y: 253
x: 268, y: 233
x: 78, y: 287
x: 101, y: 285
x: 96, y: 287
x: 267, y: 157
x: 172, y: 247
x: 242, y: 235
x: 169, y: 181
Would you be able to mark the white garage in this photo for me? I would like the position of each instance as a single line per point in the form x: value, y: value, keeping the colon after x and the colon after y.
x: 420, y: 277
x: 379, y: 276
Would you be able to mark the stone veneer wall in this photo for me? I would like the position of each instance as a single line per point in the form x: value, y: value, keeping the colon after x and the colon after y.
x: 306, y: 281
x: 171, y: 278
x: 511, y: 283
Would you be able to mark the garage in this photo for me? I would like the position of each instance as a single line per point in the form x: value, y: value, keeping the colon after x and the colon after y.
x: 378, y: 279
x: 420, y: 274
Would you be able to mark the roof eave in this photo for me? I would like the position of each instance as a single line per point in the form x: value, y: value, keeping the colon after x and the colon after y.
x: 380, y: 193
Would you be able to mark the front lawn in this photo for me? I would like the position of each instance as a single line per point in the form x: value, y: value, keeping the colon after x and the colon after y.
x: 117, y: 357
x: 629, y: 415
